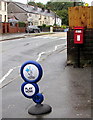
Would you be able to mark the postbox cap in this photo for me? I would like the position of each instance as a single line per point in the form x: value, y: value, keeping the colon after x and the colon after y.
x: 79, y: 27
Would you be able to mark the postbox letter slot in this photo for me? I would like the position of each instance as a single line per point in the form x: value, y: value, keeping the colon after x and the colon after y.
x: 78, y: 37
x: 78, y: 31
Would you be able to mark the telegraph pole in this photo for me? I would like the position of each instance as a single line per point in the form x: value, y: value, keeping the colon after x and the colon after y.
x: 27, y: 3
x: 74, y: 3
x: 55, y: 18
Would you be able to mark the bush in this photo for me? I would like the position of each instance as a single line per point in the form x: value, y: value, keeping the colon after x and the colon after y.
x: 21, y: 24
x: 49, y: 26
x: 64, y: 26
x: 55, y: 25
x: 44, y: 25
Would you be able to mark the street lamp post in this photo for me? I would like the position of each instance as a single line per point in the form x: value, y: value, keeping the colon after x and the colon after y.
x: 55, y: 18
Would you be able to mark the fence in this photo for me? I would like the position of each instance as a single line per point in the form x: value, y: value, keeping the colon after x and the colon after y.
x: 0, y: 27
x: 58, y: 29
x: 81, y: 16
x: 44, y: 29
x: 11, y: 28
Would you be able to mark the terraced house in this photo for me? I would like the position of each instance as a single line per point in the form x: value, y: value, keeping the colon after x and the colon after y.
x: 34, y: 14
x: 3, y: 11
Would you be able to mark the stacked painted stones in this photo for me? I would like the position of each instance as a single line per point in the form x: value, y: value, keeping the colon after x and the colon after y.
x: 31, y: 72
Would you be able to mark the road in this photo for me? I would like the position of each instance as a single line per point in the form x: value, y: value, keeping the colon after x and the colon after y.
x: 16, y: 52
x: 61, y: 85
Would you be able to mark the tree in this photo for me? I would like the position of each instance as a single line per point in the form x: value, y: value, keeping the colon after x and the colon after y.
x: 41, y: 5
x: 32, y: 3
x: 63, y: 14
x: 58, y: 5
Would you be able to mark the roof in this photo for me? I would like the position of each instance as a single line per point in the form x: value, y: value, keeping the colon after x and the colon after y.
x: 21, y: 17
x: 3, y: 0
x: 35, y: 10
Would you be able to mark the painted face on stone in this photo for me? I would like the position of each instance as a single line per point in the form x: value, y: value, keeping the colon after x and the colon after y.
x: 29, y: 89
x: 30, y: 72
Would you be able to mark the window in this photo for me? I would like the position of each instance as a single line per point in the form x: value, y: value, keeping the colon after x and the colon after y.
x: 36, y: 23
x: 5, y: 6
x: 0, y: 25
x: 5, y: 18
x: 40, y: 22
x: 0, y: 18
x: 40, y: 17
x: 30, y: 15
x: 13, y: 24
x: 0, y: 5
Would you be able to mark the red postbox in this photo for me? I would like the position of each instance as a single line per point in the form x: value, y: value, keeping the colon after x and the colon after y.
x: 78, y: 35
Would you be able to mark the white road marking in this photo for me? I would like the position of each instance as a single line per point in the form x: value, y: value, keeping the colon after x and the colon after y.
x: 47, y: 37
x: 56, y: 47
x: 39, y: 56
x: 63, y: 38
x: 7, y: 74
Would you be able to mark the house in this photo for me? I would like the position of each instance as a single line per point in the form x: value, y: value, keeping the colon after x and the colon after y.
x: 27, y: 13
x: 3, y: 11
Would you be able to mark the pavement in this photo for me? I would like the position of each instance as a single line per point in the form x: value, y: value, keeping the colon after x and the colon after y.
x: 68, y: 88
x: 4, y: 37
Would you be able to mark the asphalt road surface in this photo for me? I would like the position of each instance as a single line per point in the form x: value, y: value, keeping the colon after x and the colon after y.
x: 64, y: 90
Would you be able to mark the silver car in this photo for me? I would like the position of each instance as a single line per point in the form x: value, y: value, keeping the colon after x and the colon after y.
x: 32, y: 28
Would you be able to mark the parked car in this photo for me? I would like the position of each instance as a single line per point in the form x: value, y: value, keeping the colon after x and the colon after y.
x: 32, y: 28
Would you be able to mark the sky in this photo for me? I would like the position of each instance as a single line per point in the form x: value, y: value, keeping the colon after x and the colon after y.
x: 45, y: 1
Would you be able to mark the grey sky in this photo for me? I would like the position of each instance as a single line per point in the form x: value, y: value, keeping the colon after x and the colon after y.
x: 45, y: 1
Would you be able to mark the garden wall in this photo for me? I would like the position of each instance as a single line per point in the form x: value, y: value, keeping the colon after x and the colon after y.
x: 86, y: 49
x: 8, y: 28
